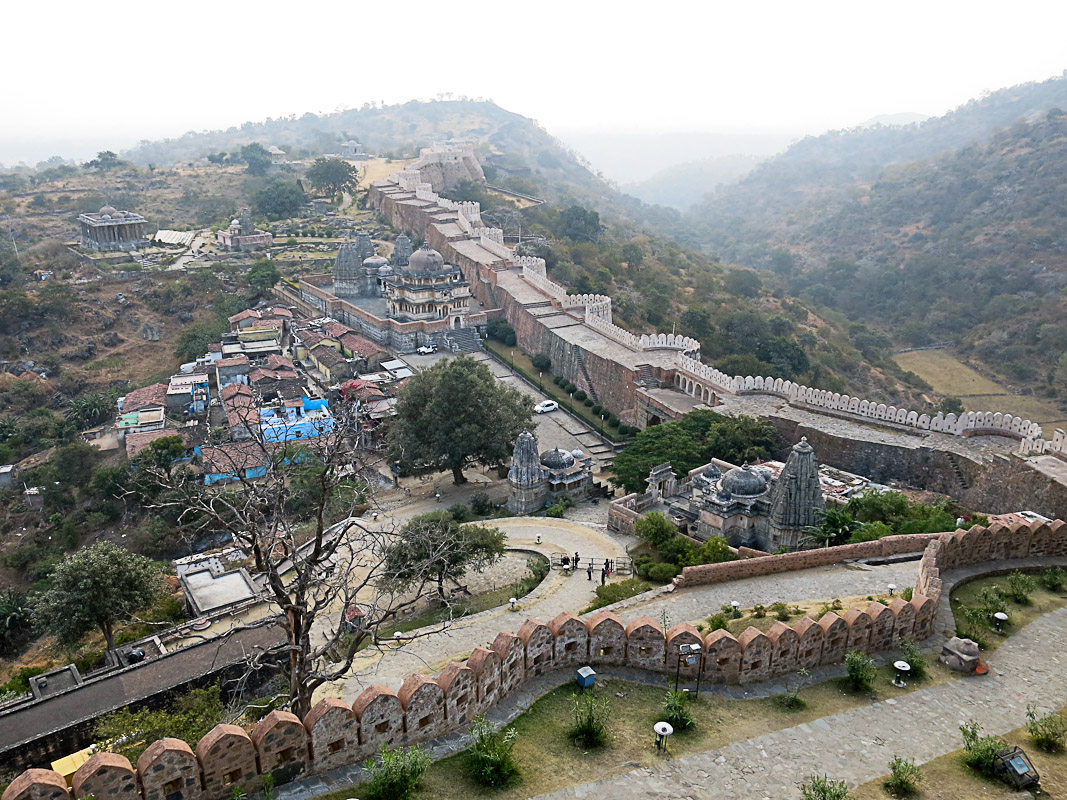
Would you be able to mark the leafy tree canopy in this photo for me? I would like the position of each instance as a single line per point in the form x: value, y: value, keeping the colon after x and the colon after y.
x: 690, y: 442
x: 262, y: 276
x: 95, y: 588
x: 454, y: 414
x: 280, y: 198
x: 436, y: 548
x: 332, y: 175
x: 256, y: 157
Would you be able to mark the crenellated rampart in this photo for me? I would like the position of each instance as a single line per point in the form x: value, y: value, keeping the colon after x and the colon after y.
x: 335, y: 734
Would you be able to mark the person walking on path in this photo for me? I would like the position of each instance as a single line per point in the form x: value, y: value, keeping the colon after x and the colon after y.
x: 589, y: 571
x: 577, y: 558
x: 603, y: 575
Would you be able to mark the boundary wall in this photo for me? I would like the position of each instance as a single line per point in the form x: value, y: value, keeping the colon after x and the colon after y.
x: 335, y: 734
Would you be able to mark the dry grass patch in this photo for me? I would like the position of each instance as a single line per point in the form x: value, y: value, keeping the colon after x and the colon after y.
x: 947, y: 374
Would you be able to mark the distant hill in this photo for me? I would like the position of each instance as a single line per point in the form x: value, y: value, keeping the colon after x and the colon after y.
x: 682, y: 185
x: 946, y: 230
x: 904, y: 118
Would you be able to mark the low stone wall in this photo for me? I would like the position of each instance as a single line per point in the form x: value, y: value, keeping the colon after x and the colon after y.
x: 980, y: 545
x: 803, y: 559
x: 334, y: 733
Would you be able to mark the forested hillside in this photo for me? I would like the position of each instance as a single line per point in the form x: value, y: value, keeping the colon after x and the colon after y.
x: 967, y: 245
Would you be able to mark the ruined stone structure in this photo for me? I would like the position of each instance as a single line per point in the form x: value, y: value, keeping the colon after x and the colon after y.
x: 110, y: 230
x: 334, y: 734
x: 746, y: 505
x: 796, y: 499
x: 526, y: 479
x: 243, y: 235
x: 535, y: 481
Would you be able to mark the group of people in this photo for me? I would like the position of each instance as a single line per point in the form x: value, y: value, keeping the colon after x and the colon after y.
x: 605, y: 571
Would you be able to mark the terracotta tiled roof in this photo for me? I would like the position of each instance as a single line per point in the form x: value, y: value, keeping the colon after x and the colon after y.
x: 239, y: 360
x: 232, y: 389
x: 280, y: 362
x: 146, y: 397
x: 232, y: 457
x: 325, y: 354
x: 259, y: 374
x: 310, y: 338
x: 335, y: 329
x: 248, y: 313
x: 358, y: 344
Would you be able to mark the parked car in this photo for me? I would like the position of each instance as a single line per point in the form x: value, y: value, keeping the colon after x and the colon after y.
x: 546, y: 406
x: 427, y: 349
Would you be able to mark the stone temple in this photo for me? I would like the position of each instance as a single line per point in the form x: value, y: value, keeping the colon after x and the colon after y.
x: 243, y: 234
x: 110, y: 230
x: 746, y: 505
x: 535, y: 481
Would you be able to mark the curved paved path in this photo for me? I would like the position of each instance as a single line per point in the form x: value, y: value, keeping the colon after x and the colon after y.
x: 574, y: 592
x: 856, y: 745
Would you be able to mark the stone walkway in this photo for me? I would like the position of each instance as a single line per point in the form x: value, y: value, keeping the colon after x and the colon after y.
x: 856, y: 745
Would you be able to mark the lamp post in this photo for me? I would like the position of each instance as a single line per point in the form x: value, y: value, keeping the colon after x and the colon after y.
x: 601, y: 426
x: 572, y: 402
x: 512, y: 360
x: 892, y: 588
x: 540, y: 387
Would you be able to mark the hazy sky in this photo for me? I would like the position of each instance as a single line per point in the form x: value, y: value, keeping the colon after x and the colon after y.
x: 113, y: 73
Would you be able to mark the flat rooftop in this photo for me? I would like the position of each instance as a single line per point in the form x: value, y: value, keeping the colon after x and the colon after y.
x: 207, y: 591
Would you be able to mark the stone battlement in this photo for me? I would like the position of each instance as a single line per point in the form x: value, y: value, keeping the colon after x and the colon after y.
x: 335, y: 733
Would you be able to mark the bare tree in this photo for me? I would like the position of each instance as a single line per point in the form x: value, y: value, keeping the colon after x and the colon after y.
x: 295, y: 505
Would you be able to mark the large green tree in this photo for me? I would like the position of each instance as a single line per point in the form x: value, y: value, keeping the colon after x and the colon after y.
x: 262, y: 276
x: 256, y: 157
x: 332, y: 175
x: 434, y: 548
x: 690, y: 442
x: 96, y: 588
x: 454, y: 414
x: 280, y: 198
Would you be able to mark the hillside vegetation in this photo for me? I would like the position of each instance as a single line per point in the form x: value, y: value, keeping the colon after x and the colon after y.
x: 966, y: 245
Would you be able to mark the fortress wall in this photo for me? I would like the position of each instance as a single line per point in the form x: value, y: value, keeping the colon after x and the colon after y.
x: 334, y: 734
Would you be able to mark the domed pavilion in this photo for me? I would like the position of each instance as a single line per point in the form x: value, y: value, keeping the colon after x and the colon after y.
x: 110, y: 230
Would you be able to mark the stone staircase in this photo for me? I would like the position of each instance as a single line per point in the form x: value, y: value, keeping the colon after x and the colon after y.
x: 577, y: 351
x: 465, y: 340
x: 961, y: 478
x: 647, y: 377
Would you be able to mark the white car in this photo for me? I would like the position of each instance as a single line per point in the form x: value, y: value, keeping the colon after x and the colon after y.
x: 546, y: 406
x: 427, y: 349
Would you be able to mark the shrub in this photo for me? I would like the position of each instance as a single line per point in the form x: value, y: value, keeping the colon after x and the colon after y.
x: 459, y: 511
x: 557, y: 380
x: 820, y: 787
x: 907, y: 594
x: 579, y: 395
x: 614, y: 592
x: 598, y: 410
x: 991, y: 599
x: 718, y: 622
x: 1053, y: 579
x: 480, y: 503
x: 1020, y: 587
x: 587, y: 402
x: 911, y: 652
x: 590, y: 729
x: 979, y: 752
x: 791, y: 700
x: 569, y: 387
x: 759, y: 612
x: 904, y: 777
x: 490, y: 760
x: 662, y: 572
x: 1047, y: 732
x: 860, y: 671
x: 613, y: 422
x: 396, y: 774
x: 781, y: 611
x: 677, y: 710
x: 555, y: 511
x: 541, y: 361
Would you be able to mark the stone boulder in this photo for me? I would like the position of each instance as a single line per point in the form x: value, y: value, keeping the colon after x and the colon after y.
x: 960, y: 655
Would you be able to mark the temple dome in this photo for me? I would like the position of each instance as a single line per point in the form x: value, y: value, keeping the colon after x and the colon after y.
x: 578, y: 454
x: 557, y: 459
x: 743, y: 481
x: 108, y: 210
x: 426, y: 259
x: 385, y: 271
x: 375, y: 262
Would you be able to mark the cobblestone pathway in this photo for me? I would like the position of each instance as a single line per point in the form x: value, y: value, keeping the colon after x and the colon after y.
x: 856, y: 745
